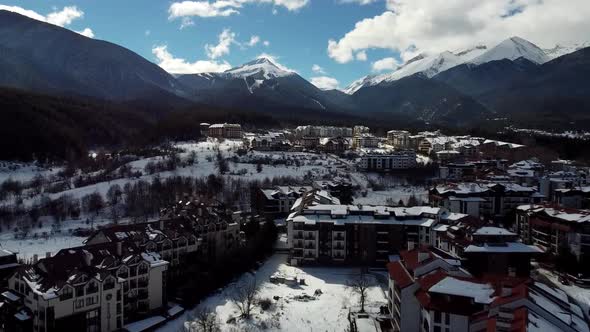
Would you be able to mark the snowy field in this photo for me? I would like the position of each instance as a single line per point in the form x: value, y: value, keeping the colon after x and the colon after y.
x: 392, y: 196
x: 326, y: 312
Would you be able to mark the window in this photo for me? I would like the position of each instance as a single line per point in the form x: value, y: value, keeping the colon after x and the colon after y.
x: 92, y: 287
x: 109, y: 284
x: 447, y: 319
x: 91, y: 300
x: 66, y: 293
x: 437, y: 329
x: 79, y: 290
x: 437, y: 317
x: 79, y: 304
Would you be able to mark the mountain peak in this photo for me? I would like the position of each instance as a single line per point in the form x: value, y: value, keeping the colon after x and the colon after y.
x: 261, y: 68
x: 512, y: 49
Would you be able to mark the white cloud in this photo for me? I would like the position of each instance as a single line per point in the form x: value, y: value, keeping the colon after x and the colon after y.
x: 60, y: 18
x: 186, y: 22
x: 148, y: 32
x: 65, y: 16
x: 225, y: 7
x: 361, y: 56
x: 385, y: 64
x: 266, y: 43
x: 253, y: 41
x: 87, y: 32
x: 226, y: 38
x: 360, y: 2
x: 415, y: 26
x: 325, y: 82
x: 180, y: 66
x: 317, y: 69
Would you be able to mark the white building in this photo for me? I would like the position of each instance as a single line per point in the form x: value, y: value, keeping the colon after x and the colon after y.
x: 389, y: 161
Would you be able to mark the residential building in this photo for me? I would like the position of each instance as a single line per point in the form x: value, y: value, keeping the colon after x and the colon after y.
x: 225, y: 130
x: 554, y: 228
x: 91, y: 288
x: 8, y: 264
x: 576, y: 198
x: 339, y: 188
x: 188, y: 227
x: 365, y: 141
x: 492, y: 200
x: 399, y: 139
x: 390, y: 161
x: 277, y: 202
x: 428, y: 292
x: 310, y: 142
x: 355, y: 234
x: 335, y: 144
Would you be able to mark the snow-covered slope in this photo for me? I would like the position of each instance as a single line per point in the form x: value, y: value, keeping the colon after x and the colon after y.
x: 561, y: 49
x: 429, y: 65
x: 512, y: 49
x: 260, y: 69
x: 361, y: 82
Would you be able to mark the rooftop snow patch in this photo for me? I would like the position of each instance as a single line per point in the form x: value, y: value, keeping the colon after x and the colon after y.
x: 480, y: 293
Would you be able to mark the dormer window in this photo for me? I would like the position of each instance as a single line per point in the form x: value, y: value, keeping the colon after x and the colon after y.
x: 66, y: 293
x: 92, y: 287
x: 143, y: 268
x: 109, y: 283
x: 123, y: 272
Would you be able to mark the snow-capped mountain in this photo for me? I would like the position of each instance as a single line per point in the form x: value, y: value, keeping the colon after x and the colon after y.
x: 260, y: 69
x: 260, y: 84
x: 563, y: 49
x: 429, y: 65
x: 512, y: 49
x: 361, y: 82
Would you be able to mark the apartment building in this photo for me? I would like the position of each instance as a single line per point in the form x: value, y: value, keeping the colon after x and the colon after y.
x: 479, y: 199
x: 89, y: 288
x: 399, y: 139
x: 389, y: 161
x: 365, y: 141
x: 430, y: 293
x: 357, y: 234
x: 188, y: 227
x: 552, y: 228
x: 323, y: 131
x: 277, y: 202
x: 226, y: 130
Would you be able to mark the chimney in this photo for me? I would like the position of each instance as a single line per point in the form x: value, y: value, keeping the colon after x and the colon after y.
x: 119, y: 249
x: 48, y: 254
x: 35, y: 258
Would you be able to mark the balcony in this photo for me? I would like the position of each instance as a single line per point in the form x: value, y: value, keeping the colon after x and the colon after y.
x: 310, y: 246
x: 310, y: 237
x: 298, y: 235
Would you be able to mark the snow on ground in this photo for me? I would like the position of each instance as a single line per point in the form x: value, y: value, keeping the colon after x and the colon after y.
x: 581, y: 295
x: 392, y: 196
x: 26, y: 248
x: 327, y: 312
x: 41, y: 240
x: 23, y: 172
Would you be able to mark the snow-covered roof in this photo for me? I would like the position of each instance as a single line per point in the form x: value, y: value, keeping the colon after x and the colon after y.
x: 488, y: 230
x: 508, y: 247
x: 479, y: 292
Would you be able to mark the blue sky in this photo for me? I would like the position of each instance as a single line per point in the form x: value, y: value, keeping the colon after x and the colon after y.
x: 346, y: 38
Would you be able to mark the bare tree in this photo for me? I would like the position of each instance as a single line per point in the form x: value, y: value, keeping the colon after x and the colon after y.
x: 204, y: 321
x: 244, y: 296
x: 360, y: 286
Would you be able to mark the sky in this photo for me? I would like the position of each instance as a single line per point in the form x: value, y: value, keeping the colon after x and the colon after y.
x: 329, y: 42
